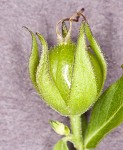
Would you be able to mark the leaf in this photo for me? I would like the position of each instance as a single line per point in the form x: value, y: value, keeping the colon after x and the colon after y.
x: 83, y: 87
x: 34, y: 59
x: 106, y: 115
x: 84, y: 124
x: 98, y: 54
x: 46, y: 86
x: 61, y: 145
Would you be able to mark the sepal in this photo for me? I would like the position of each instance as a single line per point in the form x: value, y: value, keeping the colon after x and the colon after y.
x: 47, y: 88
x: 99, y: 57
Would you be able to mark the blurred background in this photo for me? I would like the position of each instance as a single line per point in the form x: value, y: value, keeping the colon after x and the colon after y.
x: 23, y: 116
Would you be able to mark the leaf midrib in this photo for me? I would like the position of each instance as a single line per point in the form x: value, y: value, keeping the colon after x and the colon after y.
x: 104, y: 125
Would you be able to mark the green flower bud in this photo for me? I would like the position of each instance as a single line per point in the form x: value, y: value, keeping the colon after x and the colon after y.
x: 69, y: 77
x: 60, y: 128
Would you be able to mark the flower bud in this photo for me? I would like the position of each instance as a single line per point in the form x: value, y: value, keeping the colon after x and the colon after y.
x: 60, y: 128
x: 69, y: 77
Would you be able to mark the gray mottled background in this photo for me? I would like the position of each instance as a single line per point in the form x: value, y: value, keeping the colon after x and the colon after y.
x: 23, y: 116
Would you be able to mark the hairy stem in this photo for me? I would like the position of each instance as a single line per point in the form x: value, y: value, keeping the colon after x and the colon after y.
x: 76, y: 127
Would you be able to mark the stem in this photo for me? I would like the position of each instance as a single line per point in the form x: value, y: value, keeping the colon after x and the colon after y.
x: 76, y: 127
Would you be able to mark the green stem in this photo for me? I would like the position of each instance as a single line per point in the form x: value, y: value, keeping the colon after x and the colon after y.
x: 76, y: 127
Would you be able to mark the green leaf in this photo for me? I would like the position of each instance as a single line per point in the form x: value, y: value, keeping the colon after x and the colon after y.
x: 46, y: 86
x: 60, y: 128
x: 83, y: 90
x: 98, y: 55
x: 33, y: 60
x: 61, y: 145
x: 106, y: 115
x: 84, y: 124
